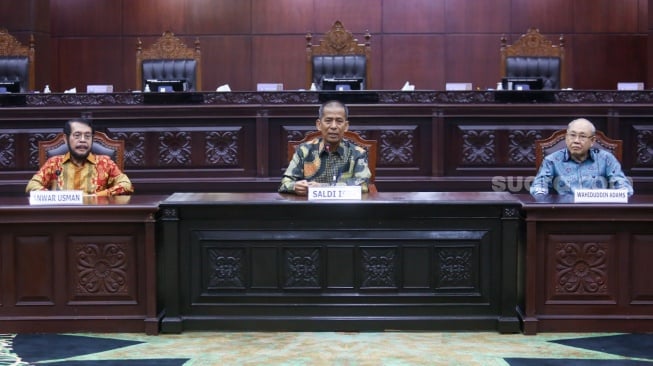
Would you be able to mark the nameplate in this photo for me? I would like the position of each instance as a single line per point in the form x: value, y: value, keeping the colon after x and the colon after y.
x: 601, y: 196
x: 334, y: 193
x: 56, y: 197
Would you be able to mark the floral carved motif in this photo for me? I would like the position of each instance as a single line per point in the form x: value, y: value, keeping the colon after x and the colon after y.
x: 222, y: 148
x: 174, y: 148
x: 7, y: 150
x: 226, y: 268
x: 102, y: 269
x: 581, y: 268
x: 521, y: 148
x: 134, y: 147
x: 479, y: 147
x: 644, y: 147
x: 454, y: 267
x: 379, y: 268
x: 397, y: 147
x: 302, y: 268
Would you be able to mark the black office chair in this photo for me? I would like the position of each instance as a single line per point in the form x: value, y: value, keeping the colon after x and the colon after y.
x: 338, y: 56
x: 533, y: 56
x: 169, y: 59
x: 16, y: 61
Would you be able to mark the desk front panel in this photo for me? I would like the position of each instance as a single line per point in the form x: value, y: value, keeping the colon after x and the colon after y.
x: 392, y: 261
x: 588, y: 267
x: 86, y: 268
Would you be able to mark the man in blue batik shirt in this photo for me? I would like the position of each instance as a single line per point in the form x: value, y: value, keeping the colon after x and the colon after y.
x: 579, y: 165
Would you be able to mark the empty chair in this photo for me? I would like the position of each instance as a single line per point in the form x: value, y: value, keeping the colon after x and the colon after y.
x: 16, y: 63
x: 338, y: 56
x: 169, y: 59
x: 533, y: 56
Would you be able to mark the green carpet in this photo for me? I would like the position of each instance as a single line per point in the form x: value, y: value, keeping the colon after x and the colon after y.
x: 328, y: 348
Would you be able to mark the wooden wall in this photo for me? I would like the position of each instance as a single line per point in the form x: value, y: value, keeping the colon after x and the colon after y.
x: 428, y: 42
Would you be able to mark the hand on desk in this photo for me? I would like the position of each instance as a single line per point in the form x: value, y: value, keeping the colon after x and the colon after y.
x: 301, y: 187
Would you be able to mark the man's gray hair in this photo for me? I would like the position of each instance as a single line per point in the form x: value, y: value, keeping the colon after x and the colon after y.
x: 332, y: 103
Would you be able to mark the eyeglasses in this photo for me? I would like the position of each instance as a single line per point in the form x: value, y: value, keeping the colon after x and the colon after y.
x: 79, y: 135
x: 582, y: 138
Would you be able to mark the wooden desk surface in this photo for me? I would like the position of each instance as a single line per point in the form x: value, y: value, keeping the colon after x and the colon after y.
x: 94, y: 209
x: 378, y: 198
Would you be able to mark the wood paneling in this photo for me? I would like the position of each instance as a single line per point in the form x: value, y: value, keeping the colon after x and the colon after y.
x: 285, y: 265
x: 218, y: 17
x: 20, y: 18
x: 86, y: 18
x: 449, y: 141
x: 414, y: 16
x: 153, y: 17
x: 248, y: 41
x: 357, y: 16
x: 228, y: 60
x: 283, y: 17
x: 549, y: 16
x: 605, y: 16
x: 598, y: 60
x: 84, y: 61
x: 286, y: 65
x: 460, y: 49
x: 405, y: 55
x: 611, y: 242
x: 473, y: 16
x: 67, y: 277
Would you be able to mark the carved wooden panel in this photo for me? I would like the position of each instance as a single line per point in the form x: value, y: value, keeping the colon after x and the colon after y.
x: 581, y: 268
x: 231, y: 259
x: 102, y: 269
x: 643, y: 147
x: 7, y: 151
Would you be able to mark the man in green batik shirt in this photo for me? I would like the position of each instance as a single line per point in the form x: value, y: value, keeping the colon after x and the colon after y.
x: 327, y: 160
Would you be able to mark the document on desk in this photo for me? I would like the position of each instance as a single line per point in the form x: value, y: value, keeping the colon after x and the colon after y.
x: 334, y: 193
x: 601, y: 196
x: 65, y: 197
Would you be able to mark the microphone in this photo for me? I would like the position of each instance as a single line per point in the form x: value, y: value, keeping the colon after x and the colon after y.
x: 327, y: 147
x: 56, y: 179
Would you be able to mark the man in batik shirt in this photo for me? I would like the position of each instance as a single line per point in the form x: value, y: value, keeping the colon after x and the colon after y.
x: 328, y: 160
x: 579, y: 166
x: 79, y: 169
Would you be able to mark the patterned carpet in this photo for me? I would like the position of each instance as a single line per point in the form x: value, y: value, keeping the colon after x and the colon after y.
x: 343, y: 349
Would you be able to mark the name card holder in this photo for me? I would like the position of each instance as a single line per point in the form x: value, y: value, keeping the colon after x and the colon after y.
x: 334, y: 193
x: 56, y: 197
x: 601, y: 196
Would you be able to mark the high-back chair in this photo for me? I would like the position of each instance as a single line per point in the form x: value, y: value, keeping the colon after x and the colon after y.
x: 102, y: 145
x: 169, y: 59
x: 338, y: 56
x: 556, y: 142
x: 369, y: 145
x: 533, y: 56
x: 17, y: 61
